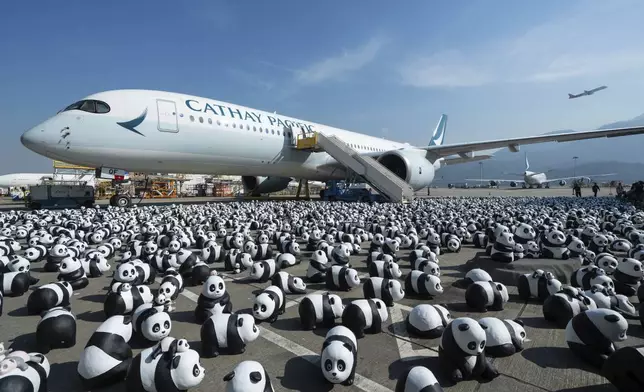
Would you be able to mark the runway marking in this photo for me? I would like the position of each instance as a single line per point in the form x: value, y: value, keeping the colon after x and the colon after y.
x: 405, y: 347
x: 360, y: 382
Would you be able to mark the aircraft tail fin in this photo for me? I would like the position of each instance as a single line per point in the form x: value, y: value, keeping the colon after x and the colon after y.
x: 439, y: 133
x: 570, y: 96
x: 527, y: 164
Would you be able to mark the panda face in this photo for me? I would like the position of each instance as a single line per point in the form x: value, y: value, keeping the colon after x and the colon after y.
x: 556, y: 238
x: 432, y: 268
x: 336, y: 362
x: 434, y: 239
x: 630, y: 267
x: 600, y: 240
x: 433, y: 285
x: 247, y: 376
x: 610, y: 323
x: 505, y: 296
x: 606, y: 262
x: 622, y: 303
x: 168, y: 289
x: 336, y: 305
x: 126, y: 272
x: 394, y: 269
x: 186, y: 370
x: 174, y: 246
x: 468, y: 335
x: 454, y: 244
x: 156, y: 327
x: 19, y: 264
x: 264, y: 306
x: 69, y: 265
x: 517, y: 332
x: 246, y: 328
x: 58, y: 250
x: 352, y: 278
x: 395, y: 289
x: 605, y: 281
x: 214, y: 287
x: 32, y: 254
x: 576, y: 245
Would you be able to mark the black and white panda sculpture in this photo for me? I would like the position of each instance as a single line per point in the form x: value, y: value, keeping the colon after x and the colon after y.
x: 286, y: 260
x: 226, y: 333
x: 483, y: 296
x: 365, y: 316
x: 339, y: 356
x: 628, y: 276
x: 564, y: 305
x: 341, y: 278
x: 503, y: 337
x: 49, y: 296
x: 553, y: 245
x: 107, y: 355
x: 151, y: 323
x: 153, y: 370
x: 424, y: 285
x: 71, y: 270
x: 587, y: 276
x: 503, y: 248
x: 322, y: 309
x: 476, y: 275
x: 269, y: 304
x: 607, y: 262
x: 388, y: 290
x: 95, y: 266
x: 462, y: 351
x: 171, y: 285
x: 262, y: 271
x: 385, y: 269
x: 288, y: 283
x: 418, y: 379
x: 248, y: 376
x: 14, y: 283
x: 213, y: 299
x: 24, y: 372
x: 624, y: 369
x: 591, y: 334
x: 56, y: 329
x: 427, y: 320
x: 124, y: 299
x: 318, y: 264
x: 539, y: 285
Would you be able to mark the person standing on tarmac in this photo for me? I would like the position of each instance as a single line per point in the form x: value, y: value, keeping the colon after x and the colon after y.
x: 577, y: 190
x: 595, y: 188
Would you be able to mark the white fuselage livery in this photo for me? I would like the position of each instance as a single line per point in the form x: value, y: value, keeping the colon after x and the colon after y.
x: 157, y: 131
x: 532, y: 178
x: 28, y: 179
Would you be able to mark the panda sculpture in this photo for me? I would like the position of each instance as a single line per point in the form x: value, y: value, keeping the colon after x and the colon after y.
x: 524, y: 233
x: 623, y: 369
x: 539, y: 285
x: 422, y: 285
x: 564, y: 305
x: 365, y: 316
x: 164, y: 372
x: 227, y: 333
x: 598, y: 244
x: 341, y: 278
x: 553, y: 245
x: 213, y: 299
x: 385, y: 269
x: 531, y: 250
x: 125, y: 273
x: 339, y: 356
x: 418, y: 379
x: 248, y: 376
x: 286, y: 260
x: 607, y: 262
x: 24, y: 372
x: 56, y: 329
x: 628, y: 276
x: 322, y: 309
x: 288, y: 283
x: 18, y: 264
x: 124, y: 299
x: 452, y: 243
x: 575, y: 247
x: 49, y: 296
x: 503, y: 248
x: 263, y: 271
x: 151, y: 323
x: 503, y: 337
x: 591, y: 334
x: 588, y: 276
x: 479, y: 240
x: 427, y: 320
x: 171, y: 285
x: 483, y: 296
x: 427, y: 266
x: 269, y: 304
x: 107, y: 355
x: 318, y: 264
x: 476, y: 275
x: 71, y: 270
x: 95, y: 266
x: 461, y: 351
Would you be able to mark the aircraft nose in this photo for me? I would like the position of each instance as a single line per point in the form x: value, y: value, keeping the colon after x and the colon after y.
x: 28, y: 139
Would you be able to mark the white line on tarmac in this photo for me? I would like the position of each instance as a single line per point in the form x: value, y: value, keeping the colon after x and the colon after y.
x: 360, y: 382
x: 405, y: 348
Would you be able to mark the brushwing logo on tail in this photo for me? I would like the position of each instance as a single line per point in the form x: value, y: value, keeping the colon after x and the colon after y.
x: 439, y: 132
x: 132, y: 124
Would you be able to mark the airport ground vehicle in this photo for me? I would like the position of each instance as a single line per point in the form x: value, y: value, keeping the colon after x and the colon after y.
x: 346, y: 191
x: 60, y: 194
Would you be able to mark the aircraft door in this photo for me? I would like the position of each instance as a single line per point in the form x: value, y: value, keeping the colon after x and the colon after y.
x: 167, y: 114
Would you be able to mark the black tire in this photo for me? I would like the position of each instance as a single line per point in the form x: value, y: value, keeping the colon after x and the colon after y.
x: 122, y: 201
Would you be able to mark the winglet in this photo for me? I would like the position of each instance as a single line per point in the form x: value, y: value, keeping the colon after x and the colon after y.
x: 439, y: 133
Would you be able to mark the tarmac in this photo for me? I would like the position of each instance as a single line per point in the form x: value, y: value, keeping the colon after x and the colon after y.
x: 290, y: 355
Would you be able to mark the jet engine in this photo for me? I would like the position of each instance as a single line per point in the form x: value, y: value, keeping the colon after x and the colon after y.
x: 493, y: 183
x: 412, y: 167
x: 562, y: 182
x: 256, y: 186
x: 450, y: 186
x: 513, y: 184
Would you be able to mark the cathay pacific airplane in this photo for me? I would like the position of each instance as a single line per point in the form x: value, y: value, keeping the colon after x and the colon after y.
x: 157, y: 131
x: 532, y: 179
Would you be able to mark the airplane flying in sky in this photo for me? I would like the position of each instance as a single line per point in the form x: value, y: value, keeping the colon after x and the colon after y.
x: 532, y: 179
x: 27, y: 179
x: 587, y: 92
x: 156, y: 131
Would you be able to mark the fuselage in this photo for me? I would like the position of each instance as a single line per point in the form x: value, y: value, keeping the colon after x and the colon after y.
x: 532, y: 178
x: 156, y: 131
x: 28, y: 179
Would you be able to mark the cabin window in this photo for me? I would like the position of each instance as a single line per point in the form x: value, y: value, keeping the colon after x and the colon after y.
x: 278, y: 133
x: 234, y: 125
x: 192, y: 118
x: 266, y: 130
x: 254, y: 129
x: 201, y: 120
x: 260, y: 129
x: 273, y: 131
x: 248, y: 127
x: 218, y: 122
x: 210, y: 121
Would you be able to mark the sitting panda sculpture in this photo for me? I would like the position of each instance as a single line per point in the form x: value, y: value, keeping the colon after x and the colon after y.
x: 503, y: 248
x: 461, y: 351
x: 23, y: 372
x: 418, y: 379
x: 483, y: 296
x: 553, y: 245
x: 503, y: 337
x: 539, y: 285
x: 628, y: 276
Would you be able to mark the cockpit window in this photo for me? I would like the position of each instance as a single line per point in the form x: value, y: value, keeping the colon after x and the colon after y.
x: 89, y: 106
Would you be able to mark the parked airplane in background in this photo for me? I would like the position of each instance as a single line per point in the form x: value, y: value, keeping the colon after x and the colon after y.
x: 532, y: 179
x: 156, y: 131
x: 587, y: 92
x: 27, y: 179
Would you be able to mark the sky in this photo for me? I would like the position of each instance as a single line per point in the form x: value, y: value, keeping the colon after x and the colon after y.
x: 498, y: 68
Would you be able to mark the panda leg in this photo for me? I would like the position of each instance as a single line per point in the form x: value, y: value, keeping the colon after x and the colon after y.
x: 588, y: 355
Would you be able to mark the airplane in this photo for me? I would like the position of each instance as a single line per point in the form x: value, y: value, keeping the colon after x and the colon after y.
x: 155, y: 131
x: 532, y: 179
x: 24, y: 180
x: 587, y: 92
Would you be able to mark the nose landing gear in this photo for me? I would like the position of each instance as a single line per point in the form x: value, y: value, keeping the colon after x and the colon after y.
x: 121, y: 198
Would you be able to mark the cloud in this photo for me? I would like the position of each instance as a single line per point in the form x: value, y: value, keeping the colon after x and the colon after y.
x: 339, y: 65
x: 596, y: 39
x: 251, y: 79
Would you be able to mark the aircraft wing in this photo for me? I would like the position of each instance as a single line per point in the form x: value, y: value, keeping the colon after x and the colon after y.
x: 495, y: 180
x: 514, y: 143
x: 453, y: 161
x: 588, y: 177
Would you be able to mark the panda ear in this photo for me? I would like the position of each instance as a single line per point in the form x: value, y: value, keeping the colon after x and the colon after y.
x: 229, y: 376
x: 499, y: 287
x: 348, y: 346
x: 463, y: 327
x: 240, y: 322
x: 611, y: 318
x: 175, y: 361
x: 378, y: 305
x: 520, y: 322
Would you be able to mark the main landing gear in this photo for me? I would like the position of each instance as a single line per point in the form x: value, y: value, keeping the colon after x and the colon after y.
x: 121, y: 198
